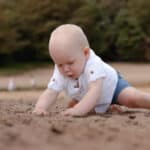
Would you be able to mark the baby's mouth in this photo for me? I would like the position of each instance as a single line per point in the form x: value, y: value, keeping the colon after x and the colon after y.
x: 70, y: 76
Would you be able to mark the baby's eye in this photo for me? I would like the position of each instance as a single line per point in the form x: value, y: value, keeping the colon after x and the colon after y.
x: 70, y: 63
x: 60, y: 65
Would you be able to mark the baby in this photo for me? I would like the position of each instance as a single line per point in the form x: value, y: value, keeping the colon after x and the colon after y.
x: 92, y: 84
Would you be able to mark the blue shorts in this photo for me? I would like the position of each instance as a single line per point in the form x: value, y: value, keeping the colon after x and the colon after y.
x: 121, y: 84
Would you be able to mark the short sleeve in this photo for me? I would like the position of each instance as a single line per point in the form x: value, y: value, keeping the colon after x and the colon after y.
x: 94, y: 71
x: 57, y: 81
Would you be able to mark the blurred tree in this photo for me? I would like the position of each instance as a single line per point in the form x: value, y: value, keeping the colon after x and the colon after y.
x: 140, y: 9
x: 116, y: 29
x: 29, y: 26
x: 130, y: 37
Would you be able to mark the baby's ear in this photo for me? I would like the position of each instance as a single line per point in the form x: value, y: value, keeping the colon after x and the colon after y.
x: 86, y: 51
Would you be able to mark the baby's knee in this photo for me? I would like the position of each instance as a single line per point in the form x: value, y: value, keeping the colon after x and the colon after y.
x: 129, y: 98
x: 132, y: 102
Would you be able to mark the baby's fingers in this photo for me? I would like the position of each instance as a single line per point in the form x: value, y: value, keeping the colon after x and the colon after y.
x: 40, y: 112
x: 67, y: 112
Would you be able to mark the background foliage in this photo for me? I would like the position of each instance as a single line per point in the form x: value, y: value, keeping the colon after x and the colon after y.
x: 118, y: 30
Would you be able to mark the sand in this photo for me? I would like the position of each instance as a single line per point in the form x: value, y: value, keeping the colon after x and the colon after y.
x: 21, y: 130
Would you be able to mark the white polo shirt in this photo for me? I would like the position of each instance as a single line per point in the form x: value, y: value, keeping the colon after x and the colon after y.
x: 94, y: 69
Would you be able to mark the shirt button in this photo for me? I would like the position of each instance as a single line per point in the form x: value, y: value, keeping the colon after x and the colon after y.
x: 91, y: 71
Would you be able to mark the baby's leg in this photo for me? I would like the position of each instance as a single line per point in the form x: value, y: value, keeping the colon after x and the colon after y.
x: 134, y: 98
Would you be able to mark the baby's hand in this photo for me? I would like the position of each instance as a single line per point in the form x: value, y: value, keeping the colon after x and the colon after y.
x: 72, y: 112
x: 40, y: 112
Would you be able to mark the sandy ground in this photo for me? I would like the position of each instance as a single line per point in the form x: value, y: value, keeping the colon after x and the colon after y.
x: 21, y: 130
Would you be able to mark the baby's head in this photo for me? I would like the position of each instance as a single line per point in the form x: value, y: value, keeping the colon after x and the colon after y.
x: 69, y: 49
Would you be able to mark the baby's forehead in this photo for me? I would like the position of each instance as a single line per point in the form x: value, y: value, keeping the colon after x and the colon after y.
x: 67, y: 50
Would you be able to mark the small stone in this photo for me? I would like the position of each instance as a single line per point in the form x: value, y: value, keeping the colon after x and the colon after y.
x: 56, y: 130
x: 132, y: 117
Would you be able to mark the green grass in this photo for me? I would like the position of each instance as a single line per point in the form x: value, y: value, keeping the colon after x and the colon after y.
x: 17, y: 68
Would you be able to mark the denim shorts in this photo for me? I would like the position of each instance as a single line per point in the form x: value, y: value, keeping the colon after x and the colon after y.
x: 121, y: 84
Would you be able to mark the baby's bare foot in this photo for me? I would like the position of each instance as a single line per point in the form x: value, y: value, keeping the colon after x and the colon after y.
x: 116, y: 109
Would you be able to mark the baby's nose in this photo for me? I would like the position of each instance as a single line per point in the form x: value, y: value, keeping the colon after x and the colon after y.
x: 66, y: 68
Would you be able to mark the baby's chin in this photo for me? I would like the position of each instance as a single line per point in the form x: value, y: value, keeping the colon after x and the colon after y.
x: 74, y: 77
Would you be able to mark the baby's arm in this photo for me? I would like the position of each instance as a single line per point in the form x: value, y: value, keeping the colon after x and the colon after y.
x: 45, y: 100
x: 89, y: 100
